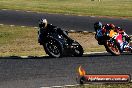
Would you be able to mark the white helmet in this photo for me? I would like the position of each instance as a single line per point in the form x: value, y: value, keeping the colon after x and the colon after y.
x: 43, y: 23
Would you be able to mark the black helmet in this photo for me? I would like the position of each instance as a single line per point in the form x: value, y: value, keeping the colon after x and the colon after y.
x: 43, y: 23
x: 109, y: 26
x: 97, y: 25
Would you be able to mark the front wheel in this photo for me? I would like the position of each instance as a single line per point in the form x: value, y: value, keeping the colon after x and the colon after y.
x: 53, y: 48
x: 112, y: 47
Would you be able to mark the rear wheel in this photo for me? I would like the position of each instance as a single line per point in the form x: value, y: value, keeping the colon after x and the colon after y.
x: 112, y: 48
x: 53, y: 48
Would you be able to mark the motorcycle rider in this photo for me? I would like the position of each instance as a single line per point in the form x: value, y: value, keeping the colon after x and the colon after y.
x: 45, y: 27
x: 103, y: 32
x: 99, y: 32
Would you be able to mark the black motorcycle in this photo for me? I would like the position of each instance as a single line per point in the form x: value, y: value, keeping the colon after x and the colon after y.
x: 56, y: 45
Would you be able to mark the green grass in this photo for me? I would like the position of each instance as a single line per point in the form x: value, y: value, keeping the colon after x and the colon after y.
x: 18, y: 41
x: 119, y: 8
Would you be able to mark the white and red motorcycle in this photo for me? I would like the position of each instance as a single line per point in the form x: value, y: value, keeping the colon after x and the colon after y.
x: 113, y: 43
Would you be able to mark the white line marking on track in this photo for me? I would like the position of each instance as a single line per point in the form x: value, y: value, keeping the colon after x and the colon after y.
x: 83, y: 53
x: 85, y: 31
x: 57, y: 87
x: 69, y: 85
x: 72, y: 30
x: 12, y: 25
x: 80, y: 15
x: 4, y: 9
x: 76, y: 85
x: 1, y: 24
x: 28, y: 11
x: 24, y: 56
x: 23, y: 26
x: 17, y: 10
x: 36, y: 27
x: 94, y: 52
x: 92, y: 16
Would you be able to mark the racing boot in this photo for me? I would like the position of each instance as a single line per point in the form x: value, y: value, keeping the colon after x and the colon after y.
x: 128, y: 48
x: 131, y: 46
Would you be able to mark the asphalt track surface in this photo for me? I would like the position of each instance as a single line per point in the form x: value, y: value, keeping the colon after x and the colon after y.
x: 80, y: 23
x: 36, y: 72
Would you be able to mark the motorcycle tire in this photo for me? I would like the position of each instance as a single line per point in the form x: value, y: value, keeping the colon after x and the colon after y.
x: 53, y: 48
x: 78, y: 51
x: 113, y: 50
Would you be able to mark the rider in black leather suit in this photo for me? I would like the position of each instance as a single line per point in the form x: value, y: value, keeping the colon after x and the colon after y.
x: 45, y: 27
